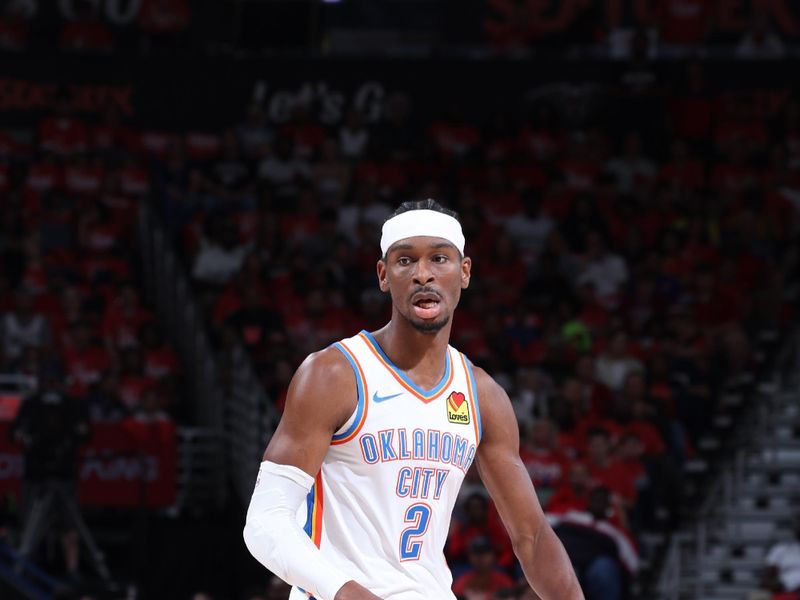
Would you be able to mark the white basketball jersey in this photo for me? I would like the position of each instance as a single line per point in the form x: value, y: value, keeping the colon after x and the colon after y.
x: 381, y: 504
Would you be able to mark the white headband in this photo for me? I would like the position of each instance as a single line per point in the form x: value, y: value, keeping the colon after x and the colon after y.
x: 422, y: 222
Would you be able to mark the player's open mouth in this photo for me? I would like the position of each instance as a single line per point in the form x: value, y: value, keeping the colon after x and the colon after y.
x: 426, y: 306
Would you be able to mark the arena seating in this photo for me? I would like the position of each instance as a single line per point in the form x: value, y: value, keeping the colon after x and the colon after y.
x: 626, y: 287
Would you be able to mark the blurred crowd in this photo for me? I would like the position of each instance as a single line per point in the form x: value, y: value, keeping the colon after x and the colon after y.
x: 621, y: 281
x: 92, y: 27
x: 662, y: 28
x: 71, y: 299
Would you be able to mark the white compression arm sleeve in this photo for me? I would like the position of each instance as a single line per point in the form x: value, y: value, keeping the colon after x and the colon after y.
x: 274, y: 538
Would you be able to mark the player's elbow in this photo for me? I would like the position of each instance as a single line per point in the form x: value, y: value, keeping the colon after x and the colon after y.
x: 525, y: 540
x: 249, y: 534
x: 261, y: 542
x: 524, y: 545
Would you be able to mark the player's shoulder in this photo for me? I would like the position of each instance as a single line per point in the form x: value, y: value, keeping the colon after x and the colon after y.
x: 327, y: 367
x: 323, y: 384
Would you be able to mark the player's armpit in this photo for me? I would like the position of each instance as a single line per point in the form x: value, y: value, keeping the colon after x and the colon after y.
x: 542, y: 556
x: 322, y: 395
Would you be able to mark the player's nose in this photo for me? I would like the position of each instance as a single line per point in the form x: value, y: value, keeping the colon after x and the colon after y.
x: 423, y: 273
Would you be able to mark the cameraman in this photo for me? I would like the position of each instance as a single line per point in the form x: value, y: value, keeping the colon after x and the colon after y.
x: 51, y: 426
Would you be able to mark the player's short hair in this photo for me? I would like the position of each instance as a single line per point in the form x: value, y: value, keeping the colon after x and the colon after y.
x: 427, y: 204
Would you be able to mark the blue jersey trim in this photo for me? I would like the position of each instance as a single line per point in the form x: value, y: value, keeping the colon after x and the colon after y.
x: 359, y: 387
x: 433, y: 391
x: 475, y: 395
x: 309, y: 511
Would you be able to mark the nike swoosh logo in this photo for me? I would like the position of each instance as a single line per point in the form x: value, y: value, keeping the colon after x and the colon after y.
x: 376, y: 398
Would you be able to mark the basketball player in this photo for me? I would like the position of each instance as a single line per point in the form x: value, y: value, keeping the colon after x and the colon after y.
x: 354, y: 497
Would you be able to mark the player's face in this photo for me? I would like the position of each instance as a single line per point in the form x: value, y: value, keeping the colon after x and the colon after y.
x: 425, y: 276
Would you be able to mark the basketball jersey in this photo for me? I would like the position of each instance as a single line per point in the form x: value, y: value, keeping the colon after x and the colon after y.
x: 381, y: 503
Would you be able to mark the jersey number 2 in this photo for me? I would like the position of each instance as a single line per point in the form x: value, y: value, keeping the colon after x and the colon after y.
x: 419, y: 517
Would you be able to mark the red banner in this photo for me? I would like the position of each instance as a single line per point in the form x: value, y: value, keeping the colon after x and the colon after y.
x: 124, y: 464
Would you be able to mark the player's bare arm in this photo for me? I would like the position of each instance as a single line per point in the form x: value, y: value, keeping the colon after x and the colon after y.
x: 541, y: 554
x: 321, y: 397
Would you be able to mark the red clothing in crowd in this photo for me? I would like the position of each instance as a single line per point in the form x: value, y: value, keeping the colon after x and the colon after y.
x: 63, y: 135
x: 43, y: 177
x: 122, y: 329
x: 132, y: 388
x: 567, y: 498
x: 684, y: 22
x: 461, y: 534
x: 86, y: 35
x: 547, y: 468
x: 472, y: 587
x: 454, y: 139
x: 85, y: 368
x: 160, y: 362
x: 616, y: 478
x: 164, y: 16
x: 648, y: 435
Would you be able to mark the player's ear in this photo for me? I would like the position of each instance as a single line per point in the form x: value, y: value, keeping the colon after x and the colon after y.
x: 466, y: 270
x: 381, y: 271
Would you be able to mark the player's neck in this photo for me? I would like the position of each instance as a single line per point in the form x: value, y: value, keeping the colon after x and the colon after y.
x: 420, y: 355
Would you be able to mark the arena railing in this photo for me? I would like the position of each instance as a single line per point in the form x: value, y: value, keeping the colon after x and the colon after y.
x: 237, y: 409
x: 250, y: 419
x: 674, y: 583
x: 168, y: 289
x: 201, y: 469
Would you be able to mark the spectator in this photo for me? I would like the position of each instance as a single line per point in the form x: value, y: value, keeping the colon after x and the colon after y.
x: 595, y: 396
x: 133, y: 382
x: 254, y: 322
x: 123, y: 318
x: 50, y: 427
x: 615, y: 364
x: 282, y: 169
x: 631, y: 169
x: 782, y: 565
x: 62, y: 134
x: 150, y: 409
x: 605, y: 470
x: 104, y: 402
x: 23, y: 327
x: 683, y: 24
x: 760, y: 40
x: 331, y: 175
x: 163, y: 17
x: 573, y: 493
x: 85, y: 359
x: 601, y: 551
x: 605, y: 270
x: 483, y: 580
x: 254, y: 132
x: 533, y: 392
x: 160, y: 361
x: 221, y: 253
x: 354, y: 137
x: 231, y: 173
x: 546, y: 464
x: 86, y: 32
x: 479, y: 522
x: 306, y: 134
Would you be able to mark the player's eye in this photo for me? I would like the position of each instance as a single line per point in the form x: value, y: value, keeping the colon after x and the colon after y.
x: 404, y: 261
x: 440, y: 258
